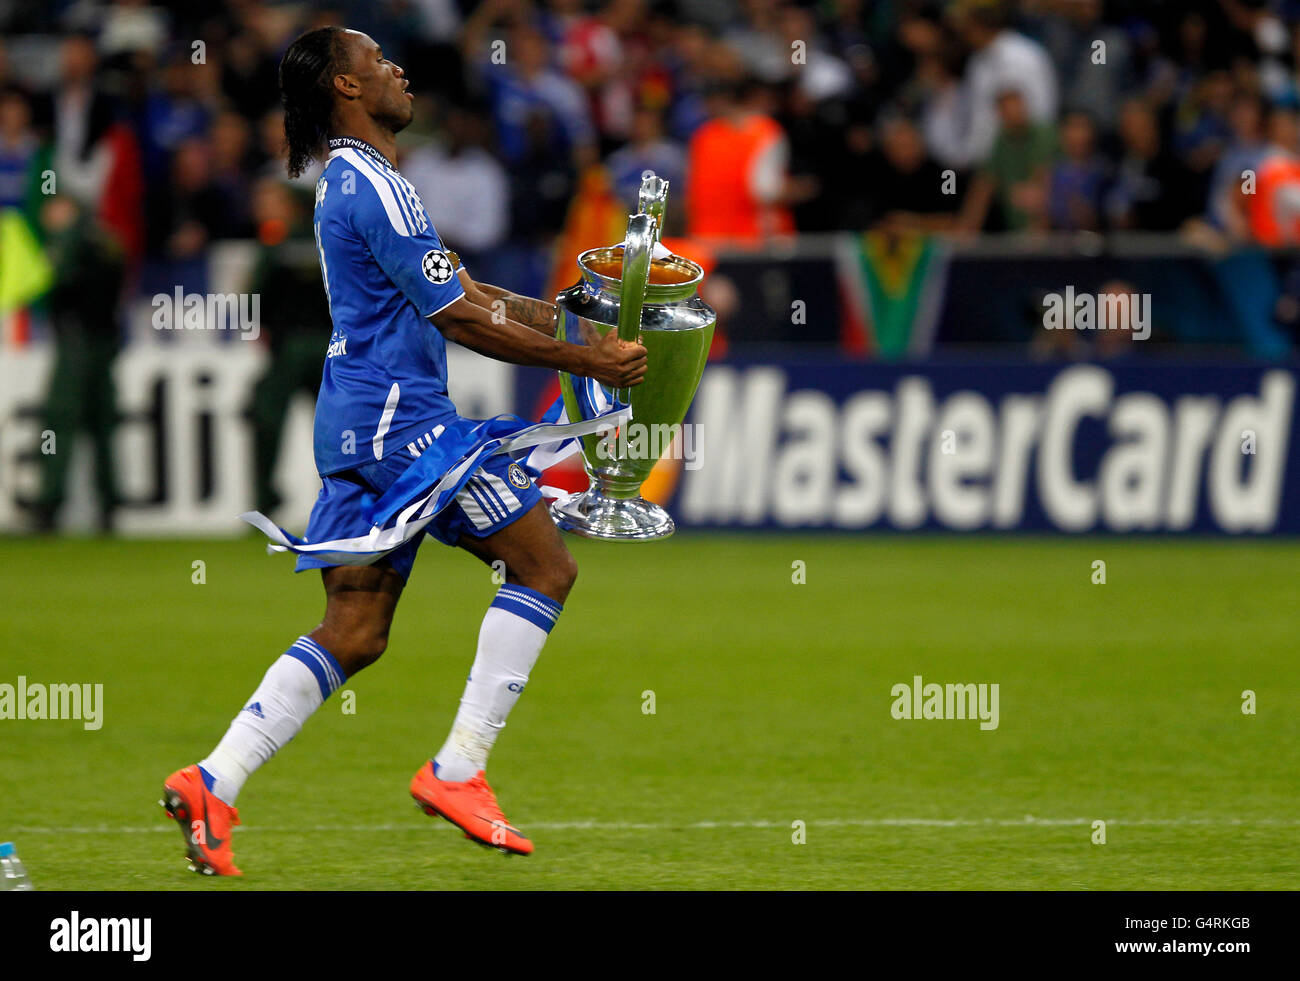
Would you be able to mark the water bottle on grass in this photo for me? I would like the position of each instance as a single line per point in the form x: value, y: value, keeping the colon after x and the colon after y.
x: 13, y: 877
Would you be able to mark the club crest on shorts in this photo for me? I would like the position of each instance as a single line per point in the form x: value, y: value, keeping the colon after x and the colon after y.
x: 436, y: 266
x: 517, y: 476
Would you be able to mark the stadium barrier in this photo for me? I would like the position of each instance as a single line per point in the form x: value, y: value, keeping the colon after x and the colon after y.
x: 1007, y: 445
x: 892, y: 297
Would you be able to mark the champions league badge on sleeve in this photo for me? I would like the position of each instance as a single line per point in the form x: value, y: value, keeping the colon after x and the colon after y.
x: 437, y: 268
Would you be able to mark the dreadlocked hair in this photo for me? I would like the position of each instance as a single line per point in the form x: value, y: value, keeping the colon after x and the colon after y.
x: 307, y: 71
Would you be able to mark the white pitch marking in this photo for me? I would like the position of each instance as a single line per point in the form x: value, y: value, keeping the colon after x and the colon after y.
x: 1028, y: 821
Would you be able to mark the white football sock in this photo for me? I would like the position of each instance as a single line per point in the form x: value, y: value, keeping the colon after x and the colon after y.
x: 509, y: 642
x: 294, y: 687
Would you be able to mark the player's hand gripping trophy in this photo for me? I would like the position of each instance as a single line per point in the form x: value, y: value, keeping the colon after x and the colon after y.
x: 653, y: 300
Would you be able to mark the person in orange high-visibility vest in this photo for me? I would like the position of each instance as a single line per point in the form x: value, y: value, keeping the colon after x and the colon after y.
x: 1272, y: 207
x: 737, y: 186
x: 1273, y: 211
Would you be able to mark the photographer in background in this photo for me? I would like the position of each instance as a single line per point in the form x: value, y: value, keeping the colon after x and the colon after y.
x: 89, y: 268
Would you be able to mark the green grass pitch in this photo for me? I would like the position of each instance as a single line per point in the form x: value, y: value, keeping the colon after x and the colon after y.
x: 1119, y: 702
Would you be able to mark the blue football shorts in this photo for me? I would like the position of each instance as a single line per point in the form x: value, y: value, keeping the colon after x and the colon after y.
x: 499, y: 493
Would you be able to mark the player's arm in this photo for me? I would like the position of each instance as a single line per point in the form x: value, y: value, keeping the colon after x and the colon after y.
x: 610, y: 361
x: 535, y: 314
x: 413, y: 257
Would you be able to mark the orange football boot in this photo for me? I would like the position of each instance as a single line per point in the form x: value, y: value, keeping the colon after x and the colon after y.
x: 471, y: 806
x: 205, y: 821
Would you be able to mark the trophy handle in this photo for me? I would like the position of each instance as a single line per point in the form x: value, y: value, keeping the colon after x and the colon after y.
x: 641, y: 230
x: 652, y: 200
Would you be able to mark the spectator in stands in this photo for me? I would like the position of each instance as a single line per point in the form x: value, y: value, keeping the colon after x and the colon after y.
x: 1078, y: 179
x: 910, y: 188
x: 782, y: 42
x: 754, y: 35
x: 848, y: 185
x: 18, y: 146
x: 1095, y: 60
x: 534, y: 106
x: 648, y: 150
x: 1113, y: 336
x: 1152, y: 190
x: 818, y: 75
x: 188, y: 212
x: 944, y: 114
x: 846, y: 28
x: 1272, y: 211
x: 229, y: 140
x: 1286, y: 87
x: 1203, y: 129
x: 464, y: 187
x: 126, y: 28
x: 1011, y: 189
x: 1239, y: 160
x: 1195, y: 53
x: 1119, y: 312
x: 1001, y: 59
x: 428, y: 49
x: 686, y: 61
x: 250, y: 74
x: 816, y: 134
x: 1269, y: 41
x: 95, y: 157
x: 846, y: 38
x: 593, y: 55
x: 1247, y: 280
x: 542, y: 124
x: 554, y: 18
x: 738, y: 186
x: 173, y: 113
x: 1156, y: 75
x: 649, y: 67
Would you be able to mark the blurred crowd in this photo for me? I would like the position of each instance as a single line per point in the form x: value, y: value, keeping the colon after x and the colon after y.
x: 769, y: 116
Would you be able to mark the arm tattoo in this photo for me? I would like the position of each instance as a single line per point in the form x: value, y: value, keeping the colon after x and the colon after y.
x: 537, y: 314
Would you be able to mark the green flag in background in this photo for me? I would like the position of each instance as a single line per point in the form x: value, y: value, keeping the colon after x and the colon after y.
x: 895, y: 286
x: 25, y: 273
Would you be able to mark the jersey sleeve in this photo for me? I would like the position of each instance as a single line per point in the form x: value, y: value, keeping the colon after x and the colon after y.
x: 403, y: 241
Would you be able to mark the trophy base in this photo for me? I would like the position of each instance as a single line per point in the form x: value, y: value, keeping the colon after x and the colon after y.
x: 593, y: 515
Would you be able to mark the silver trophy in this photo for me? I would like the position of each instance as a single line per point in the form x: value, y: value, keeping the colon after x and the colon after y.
x: 655, y: 301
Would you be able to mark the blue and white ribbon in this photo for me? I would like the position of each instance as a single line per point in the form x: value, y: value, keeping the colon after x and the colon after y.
x: 594, y: 403
x: 433, y: 479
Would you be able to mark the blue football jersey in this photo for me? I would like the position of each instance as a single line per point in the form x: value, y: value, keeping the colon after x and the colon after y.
x: 385, y: 273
